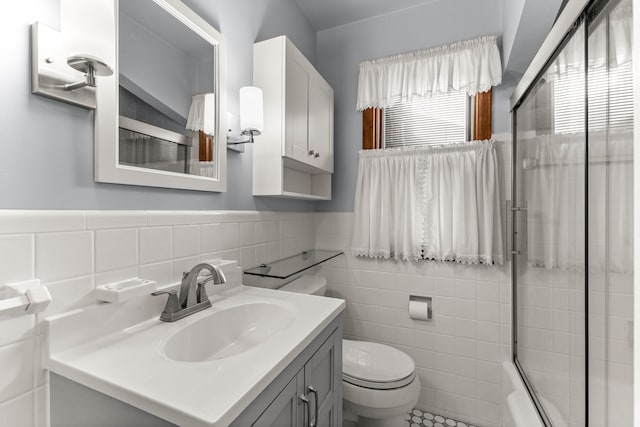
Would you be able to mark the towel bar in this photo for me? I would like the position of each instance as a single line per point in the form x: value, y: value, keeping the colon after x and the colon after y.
x: 28, y: 296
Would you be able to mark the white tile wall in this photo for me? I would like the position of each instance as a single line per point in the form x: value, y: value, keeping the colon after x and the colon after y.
x: 73, y: 251
x: 458, y: 354
x: 156, y: 244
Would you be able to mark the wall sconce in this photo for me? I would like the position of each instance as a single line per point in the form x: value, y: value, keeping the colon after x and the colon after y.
x: 251, y: 115
x: 54, y: 73
x: 91, y: 67
x: 202, y: 119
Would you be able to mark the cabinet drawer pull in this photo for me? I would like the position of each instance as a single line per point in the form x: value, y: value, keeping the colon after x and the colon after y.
x: 312, y: 152
x: 313, y: 391
x: 308, y: 409
x: 316, y: 155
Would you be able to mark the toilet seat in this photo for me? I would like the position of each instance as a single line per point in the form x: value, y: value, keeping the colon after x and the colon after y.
x: 378, y: 386
x: 376, y: 366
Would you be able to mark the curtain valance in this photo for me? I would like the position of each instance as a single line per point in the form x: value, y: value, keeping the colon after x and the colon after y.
x: 472, y: 66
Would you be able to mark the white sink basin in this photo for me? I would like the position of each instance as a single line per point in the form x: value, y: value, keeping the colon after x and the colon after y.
x: 220, y: 359
x: 228, y: 332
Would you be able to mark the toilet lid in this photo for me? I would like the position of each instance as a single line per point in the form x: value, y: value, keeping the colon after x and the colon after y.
x: 374, y: 365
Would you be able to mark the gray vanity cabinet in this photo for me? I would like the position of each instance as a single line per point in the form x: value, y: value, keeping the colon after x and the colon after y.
x: 284, y: 411
x: 319, y: 373
x: 315, y: 374
x: 318, y: 366
x: 316, y: 380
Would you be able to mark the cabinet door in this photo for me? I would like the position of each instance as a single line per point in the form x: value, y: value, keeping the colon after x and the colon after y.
x: 286, y: 410
x: 296, y: 108
x: 321, y: 124
x: 321, y: 373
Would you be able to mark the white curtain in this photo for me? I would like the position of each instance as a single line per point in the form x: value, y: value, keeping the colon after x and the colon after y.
x: 386, y: 221
x: 555, y: 216
x: 462, y: 214
x: 611, y: 201
x: 437, y: 202
x: 472, y: 66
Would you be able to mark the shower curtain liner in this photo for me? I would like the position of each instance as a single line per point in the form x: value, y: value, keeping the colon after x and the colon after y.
x: 440, y: 203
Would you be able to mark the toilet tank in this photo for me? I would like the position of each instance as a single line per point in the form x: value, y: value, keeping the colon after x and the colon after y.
x: 308, y: 284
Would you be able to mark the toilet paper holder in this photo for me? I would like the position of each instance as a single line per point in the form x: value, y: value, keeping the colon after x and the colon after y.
x: 420, y: 307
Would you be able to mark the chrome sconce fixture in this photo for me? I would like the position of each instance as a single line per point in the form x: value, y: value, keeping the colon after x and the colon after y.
x: 54, y: 73
x: 91, y: 67
x: 251, y: 114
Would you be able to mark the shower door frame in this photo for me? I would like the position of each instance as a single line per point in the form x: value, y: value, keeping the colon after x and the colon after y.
x: 576, y: 13
x: 567, y: 33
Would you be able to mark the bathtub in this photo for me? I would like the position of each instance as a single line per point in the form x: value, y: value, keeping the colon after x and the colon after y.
x: 519, y: 410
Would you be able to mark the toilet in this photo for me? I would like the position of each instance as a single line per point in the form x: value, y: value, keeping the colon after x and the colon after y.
x: 379, y: 382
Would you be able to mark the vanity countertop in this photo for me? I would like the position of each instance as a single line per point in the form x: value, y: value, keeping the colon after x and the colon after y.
x: 117, y: 349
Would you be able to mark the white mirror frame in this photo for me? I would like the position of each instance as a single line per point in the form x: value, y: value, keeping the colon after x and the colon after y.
x: 107, y: 165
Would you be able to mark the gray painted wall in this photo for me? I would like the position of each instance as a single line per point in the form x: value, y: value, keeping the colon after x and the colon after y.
x: 341, y: 49
x: 46, y: 160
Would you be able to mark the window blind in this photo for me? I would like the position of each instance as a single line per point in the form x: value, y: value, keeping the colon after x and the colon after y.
x: 616, y: 112
x: 426, y: 121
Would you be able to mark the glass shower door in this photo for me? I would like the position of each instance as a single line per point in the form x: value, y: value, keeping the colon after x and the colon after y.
x: 610, y: 214
x: 573, y: 225
x: 550, y: 148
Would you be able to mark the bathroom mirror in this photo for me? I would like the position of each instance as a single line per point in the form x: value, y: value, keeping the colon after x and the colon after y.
x: 158, y: 121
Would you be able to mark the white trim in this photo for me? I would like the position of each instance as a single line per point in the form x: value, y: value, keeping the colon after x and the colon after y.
x: 563, y: 25
x: 636, y: 213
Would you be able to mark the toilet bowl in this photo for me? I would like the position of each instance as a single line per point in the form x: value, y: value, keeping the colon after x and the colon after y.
x: 379, y: 382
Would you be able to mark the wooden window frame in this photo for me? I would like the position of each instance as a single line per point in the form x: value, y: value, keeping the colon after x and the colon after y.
x: 482, y: 107
x: 372, y: 129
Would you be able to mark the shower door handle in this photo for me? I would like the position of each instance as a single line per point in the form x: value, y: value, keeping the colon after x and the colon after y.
x: 509, y: 231
x: 512, y: 229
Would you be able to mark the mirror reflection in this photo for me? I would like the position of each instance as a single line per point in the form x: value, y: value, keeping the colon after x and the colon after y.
x: 166, y: 93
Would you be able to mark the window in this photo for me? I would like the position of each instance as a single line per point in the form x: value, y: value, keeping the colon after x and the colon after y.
x: 425, y: 121
x: 434, y: 120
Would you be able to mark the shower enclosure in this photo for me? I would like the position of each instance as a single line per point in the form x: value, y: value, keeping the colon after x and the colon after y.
x: 572, y: 222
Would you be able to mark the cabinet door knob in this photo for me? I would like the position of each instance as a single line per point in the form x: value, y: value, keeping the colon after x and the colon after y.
x: 312, y: 152
x: 316, y: 155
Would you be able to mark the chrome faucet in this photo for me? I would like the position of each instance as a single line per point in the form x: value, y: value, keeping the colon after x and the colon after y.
x: 193, y: 295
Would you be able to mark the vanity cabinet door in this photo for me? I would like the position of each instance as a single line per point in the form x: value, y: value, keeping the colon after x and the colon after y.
x: 318, y: 366
x: 287, y: 409
x: 323, y: 373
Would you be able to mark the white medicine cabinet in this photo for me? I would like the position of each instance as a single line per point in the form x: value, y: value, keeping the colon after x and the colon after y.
x: 294, y: 155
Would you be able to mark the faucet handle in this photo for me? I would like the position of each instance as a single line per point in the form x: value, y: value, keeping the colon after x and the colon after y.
x: 170, y: 292
x: 173, y: 305
x: 201, y: 293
